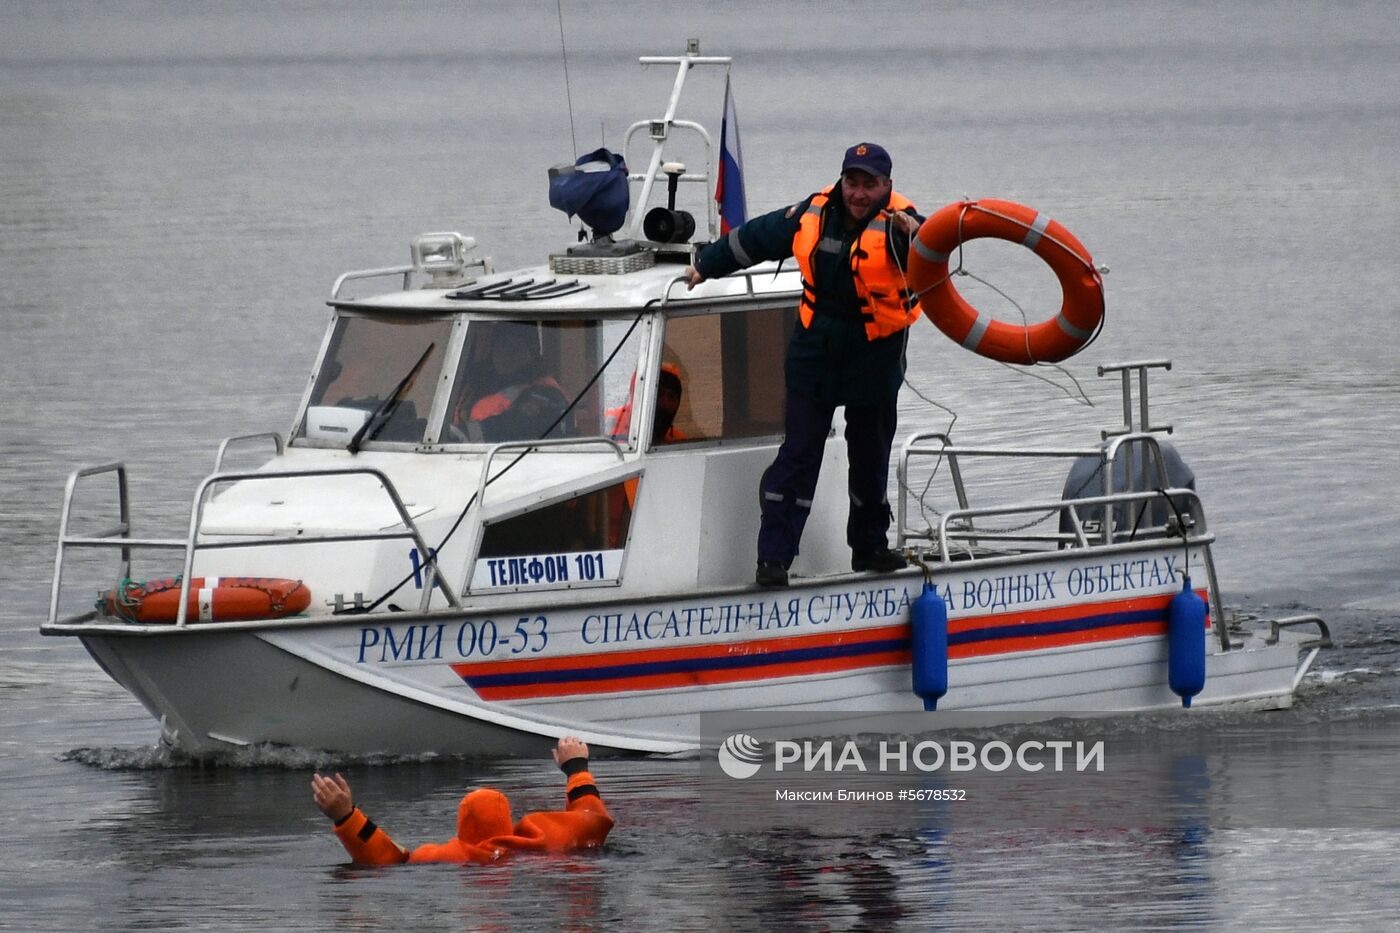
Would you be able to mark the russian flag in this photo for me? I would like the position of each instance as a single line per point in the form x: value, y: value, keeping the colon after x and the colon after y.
x: 729, y: 186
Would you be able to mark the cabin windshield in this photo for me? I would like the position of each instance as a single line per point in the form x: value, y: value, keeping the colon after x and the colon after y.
x: 430, y: 381
x: 379, y: 364
x: 528, y: 380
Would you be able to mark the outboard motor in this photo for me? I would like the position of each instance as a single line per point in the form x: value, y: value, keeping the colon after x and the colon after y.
x: 1086, y: 478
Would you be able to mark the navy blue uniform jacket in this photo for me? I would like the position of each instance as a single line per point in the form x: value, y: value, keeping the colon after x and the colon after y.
x: 832, y: 361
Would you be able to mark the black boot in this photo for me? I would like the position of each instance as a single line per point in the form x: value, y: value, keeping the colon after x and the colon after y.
x: 881, y: 561
x: 771, y: 573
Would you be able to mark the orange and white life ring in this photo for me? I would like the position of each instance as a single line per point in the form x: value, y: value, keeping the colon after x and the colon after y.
x: 1049, y: 341
x: 211, y: 599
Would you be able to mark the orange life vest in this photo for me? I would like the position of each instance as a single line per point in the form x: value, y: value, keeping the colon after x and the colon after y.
x: 498, y: 403
x: 620, y: 418
x: 887, y: 303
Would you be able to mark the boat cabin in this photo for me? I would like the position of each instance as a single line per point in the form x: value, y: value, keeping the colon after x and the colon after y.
x: 549, y: 431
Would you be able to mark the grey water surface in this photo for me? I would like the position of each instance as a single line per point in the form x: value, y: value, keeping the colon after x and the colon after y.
x: 180, y: 183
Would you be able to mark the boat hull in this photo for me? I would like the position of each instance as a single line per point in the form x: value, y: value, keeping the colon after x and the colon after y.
x: 1061, y: 636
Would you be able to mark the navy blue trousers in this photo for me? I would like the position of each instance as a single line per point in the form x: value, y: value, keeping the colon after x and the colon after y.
x: 785, y: 491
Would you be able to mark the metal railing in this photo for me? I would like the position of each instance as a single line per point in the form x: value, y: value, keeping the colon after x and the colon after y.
x: 958, y: 525
x: 1324, y: 634
x: 1194, y: 535
x: 1106, y: 455
x: 103, y: 538
x: 1077, y: 513
x: 748, y: 275
x: 274, y: 436
x: 405, y: 271
x: 526, y: 447
x: 119, y: 536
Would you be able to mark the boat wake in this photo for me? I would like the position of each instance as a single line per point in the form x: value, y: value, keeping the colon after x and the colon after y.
x: 163, y: 757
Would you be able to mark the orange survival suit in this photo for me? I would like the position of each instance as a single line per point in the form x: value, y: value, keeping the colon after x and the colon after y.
x: 484, y: 830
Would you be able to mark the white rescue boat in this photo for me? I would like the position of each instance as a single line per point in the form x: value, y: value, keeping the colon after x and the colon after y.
x: 483, y: 587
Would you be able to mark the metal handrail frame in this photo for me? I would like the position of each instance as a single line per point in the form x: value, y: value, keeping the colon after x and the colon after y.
x: 119, y: 536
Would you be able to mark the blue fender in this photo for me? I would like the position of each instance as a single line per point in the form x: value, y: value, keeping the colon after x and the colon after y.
x: 1186, y: 643
x: 929, y: 631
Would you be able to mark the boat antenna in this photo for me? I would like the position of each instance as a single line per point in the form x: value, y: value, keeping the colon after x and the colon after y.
x: 568, y: 93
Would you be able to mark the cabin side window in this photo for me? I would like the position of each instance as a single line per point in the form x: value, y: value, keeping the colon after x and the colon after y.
x: 593, y: 521
x: 528, y: 380
x: 723, y: 375
x: 577, y: 542
x: 369, y: 363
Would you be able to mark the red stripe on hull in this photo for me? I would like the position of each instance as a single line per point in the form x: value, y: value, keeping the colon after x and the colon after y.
x: 795, y: 655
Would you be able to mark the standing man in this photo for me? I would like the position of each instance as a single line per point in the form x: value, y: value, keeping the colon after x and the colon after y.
x: 851, y: 243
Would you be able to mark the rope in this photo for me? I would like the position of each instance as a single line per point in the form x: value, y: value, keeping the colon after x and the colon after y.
x: 1181, y: 526
x: 1078, y: 396
x: 1046, y: 235
x: 925, y: 509
x: 968, y: 205
x: 126, y: 598
x: 275, y: 600
x: 938, y: 462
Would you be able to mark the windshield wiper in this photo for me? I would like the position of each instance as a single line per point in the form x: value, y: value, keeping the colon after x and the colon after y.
x: 381, y: 415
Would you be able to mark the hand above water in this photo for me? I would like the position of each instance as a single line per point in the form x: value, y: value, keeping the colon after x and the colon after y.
x: 332, y: 795
x: 570, y: 747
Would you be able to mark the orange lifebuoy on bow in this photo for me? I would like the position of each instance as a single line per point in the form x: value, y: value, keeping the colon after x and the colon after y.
x: 211, y: 599
x: 1049, y: 341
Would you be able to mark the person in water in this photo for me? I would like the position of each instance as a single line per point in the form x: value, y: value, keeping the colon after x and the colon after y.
x: 851, y: 241
x: 485, y: 830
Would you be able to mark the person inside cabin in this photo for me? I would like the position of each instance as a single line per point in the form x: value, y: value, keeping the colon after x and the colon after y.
x: 486, y: 831
x: 522, y: 400
x: 348, y: 389
x: 668, y: 404
x: 356, y: 386
x: 851, y: 242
